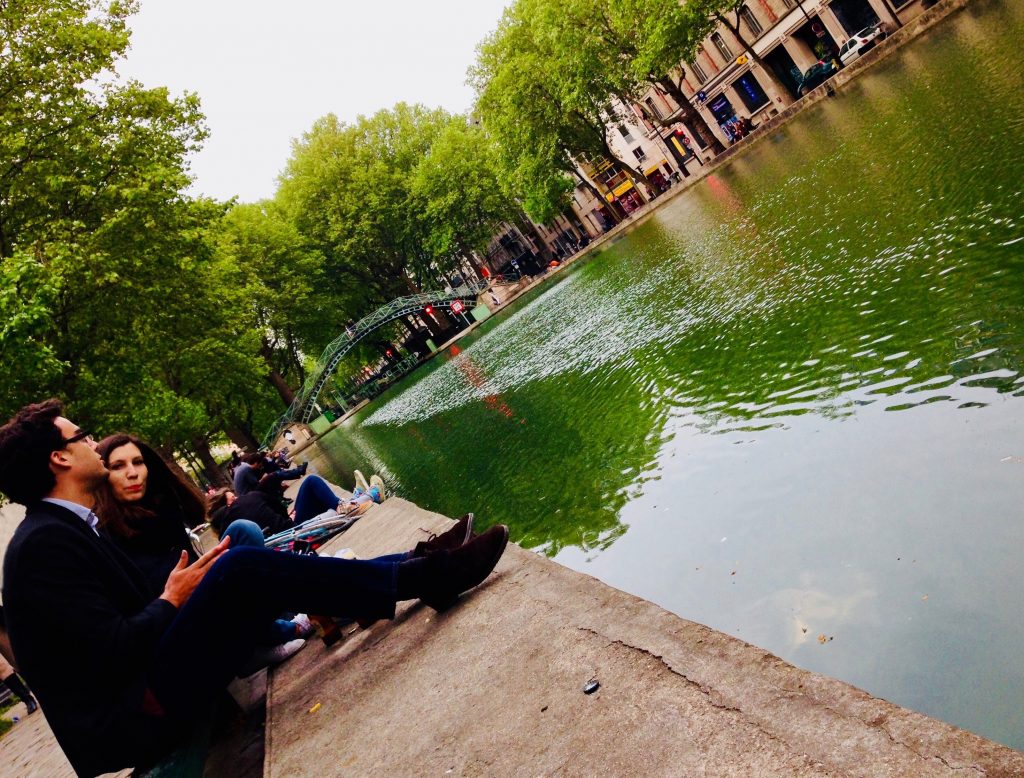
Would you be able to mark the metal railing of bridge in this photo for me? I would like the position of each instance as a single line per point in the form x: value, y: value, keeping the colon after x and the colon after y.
x: 304, y: 407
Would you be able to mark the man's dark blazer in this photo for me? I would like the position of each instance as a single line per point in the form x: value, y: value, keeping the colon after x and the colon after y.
x: 84, y: 625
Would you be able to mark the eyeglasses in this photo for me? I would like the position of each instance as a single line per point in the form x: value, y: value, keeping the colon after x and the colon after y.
x: 86, y: 436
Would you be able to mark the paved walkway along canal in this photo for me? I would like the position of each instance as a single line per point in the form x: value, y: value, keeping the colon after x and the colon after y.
x: 495, y: 686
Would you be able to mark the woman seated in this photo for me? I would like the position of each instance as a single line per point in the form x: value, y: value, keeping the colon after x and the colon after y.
x: 144, y: 510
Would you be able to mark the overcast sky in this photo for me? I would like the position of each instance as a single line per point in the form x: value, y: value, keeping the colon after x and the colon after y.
x: 266, y: 71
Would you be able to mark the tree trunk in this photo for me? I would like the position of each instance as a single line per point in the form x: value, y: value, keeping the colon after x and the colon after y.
x: 768, y: 72
x: 524, y: 225
x: 242, y: 437
x: 275, y: 378
x: 612, y: 207
x: 286, y: 393
x: 474, y: 262
x: 430, y: 324
x: 690, y: 115
x: 172, y: 462
x: 409, y: 324
x: 214, y: 473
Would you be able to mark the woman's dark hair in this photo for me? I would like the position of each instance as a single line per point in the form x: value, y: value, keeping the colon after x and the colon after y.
x: 217, y: 500
x: 165, y: 486
x: 26, y: 442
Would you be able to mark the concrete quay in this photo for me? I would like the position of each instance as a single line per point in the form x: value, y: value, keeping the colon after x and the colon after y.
x: 495, y: 685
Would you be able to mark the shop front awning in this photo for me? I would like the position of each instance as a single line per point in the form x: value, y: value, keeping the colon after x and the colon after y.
x: 622, y: 188
x: 654, y: 168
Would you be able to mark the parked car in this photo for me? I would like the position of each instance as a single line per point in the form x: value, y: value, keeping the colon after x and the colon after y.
x: 816, y: 75
x: 861, y: 43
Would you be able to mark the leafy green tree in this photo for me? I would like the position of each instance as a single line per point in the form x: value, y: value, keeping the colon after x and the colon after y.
x: 112, y: 297
x: 282, y: 290
x: 543, y: 93
x: 27, y: 295
x: 645, y: 42
x: 460, y: 195
x: 369, y: 199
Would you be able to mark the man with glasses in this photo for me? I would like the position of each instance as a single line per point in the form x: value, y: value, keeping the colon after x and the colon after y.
x: 120, y: 670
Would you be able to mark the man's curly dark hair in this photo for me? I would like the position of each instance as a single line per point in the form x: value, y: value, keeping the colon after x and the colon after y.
x: 26, y: 442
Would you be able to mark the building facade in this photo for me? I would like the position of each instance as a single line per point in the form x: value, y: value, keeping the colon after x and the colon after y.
x: 740, y: 77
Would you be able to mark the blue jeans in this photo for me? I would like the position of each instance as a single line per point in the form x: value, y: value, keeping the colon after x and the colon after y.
x: 216, y: 629
x: 244, y: 533
x: 314, y: 497
x: 248, y: 533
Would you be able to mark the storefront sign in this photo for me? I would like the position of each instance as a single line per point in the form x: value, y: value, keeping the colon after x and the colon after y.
x: 741, y: 59
x: 622, y: 188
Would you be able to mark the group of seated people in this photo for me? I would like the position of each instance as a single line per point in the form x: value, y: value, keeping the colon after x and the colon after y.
x: 124, y: 632
x: 257, y: 495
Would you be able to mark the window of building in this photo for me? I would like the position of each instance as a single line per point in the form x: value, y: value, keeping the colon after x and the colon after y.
x: 638, y: 152
x: 624, y: 132
x: 751, y: 21
x: 722, y: 46
x: 653, y: 107
x: 750, y: 91
x: 698, y: 73
x: 790, y: 4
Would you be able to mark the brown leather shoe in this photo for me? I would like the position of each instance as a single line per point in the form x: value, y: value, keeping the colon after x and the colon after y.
x: 456, y: 571
x: 449, y: 540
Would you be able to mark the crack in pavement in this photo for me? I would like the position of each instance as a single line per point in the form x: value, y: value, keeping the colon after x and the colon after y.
x: 708, y: 692
x: 914, y: 751
x: 813, y: 762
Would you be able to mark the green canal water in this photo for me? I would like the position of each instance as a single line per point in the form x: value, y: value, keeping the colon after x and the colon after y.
x: 791, y: 404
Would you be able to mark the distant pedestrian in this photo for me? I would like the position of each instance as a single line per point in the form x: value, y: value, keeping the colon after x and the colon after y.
x: 10, y: 679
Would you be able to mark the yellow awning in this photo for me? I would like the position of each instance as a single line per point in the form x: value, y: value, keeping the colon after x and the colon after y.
x: 622, y: 188
x: 654, y: 168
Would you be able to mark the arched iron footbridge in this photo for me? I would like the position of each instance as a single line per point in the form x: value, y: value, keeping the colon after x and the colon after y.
x: 305, y: 407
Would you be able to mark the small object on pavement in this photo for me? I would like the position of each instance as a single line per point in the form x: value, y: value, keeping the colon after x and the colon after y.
x: 315, y: 708
x: 591, y: 686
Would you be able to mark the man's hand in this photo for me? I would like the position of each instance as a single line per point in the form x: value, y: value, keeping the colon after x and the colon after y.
x: 185, y: 577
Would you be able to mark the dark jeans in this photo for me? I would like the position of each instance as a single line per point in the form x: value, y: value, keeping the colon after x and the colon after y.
x: 315, y: 496
x: 218, y: 626
x: 248, y: 533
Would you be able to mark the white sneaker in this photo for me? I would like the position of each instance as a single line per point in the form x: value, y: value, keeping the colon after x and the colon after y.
x: 361, y: 481
x: 269, y: 656
x: 277, y: 654
x: 303, y: 626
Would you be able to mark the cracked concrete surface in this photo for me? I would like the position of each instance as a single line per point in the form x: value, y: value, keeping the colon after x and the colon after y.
x: 494, y: 687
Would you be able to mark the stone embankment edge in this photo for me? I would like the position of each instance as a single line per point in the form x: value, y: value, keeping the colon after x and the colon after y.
x: 494, y: 687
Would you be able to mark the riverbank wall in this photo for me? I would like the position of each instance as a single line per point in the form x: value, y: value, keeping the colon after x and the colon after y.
x: 498, y: 686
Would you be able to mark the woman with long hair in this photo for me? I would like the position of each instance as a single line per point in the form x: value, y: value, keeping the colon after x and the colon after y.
x: 147, y: 506
x: 144, y: 510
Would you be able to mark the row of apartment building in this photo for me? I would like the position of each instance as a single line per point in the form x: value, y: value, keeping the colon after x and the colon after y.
x: 726, y: 87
